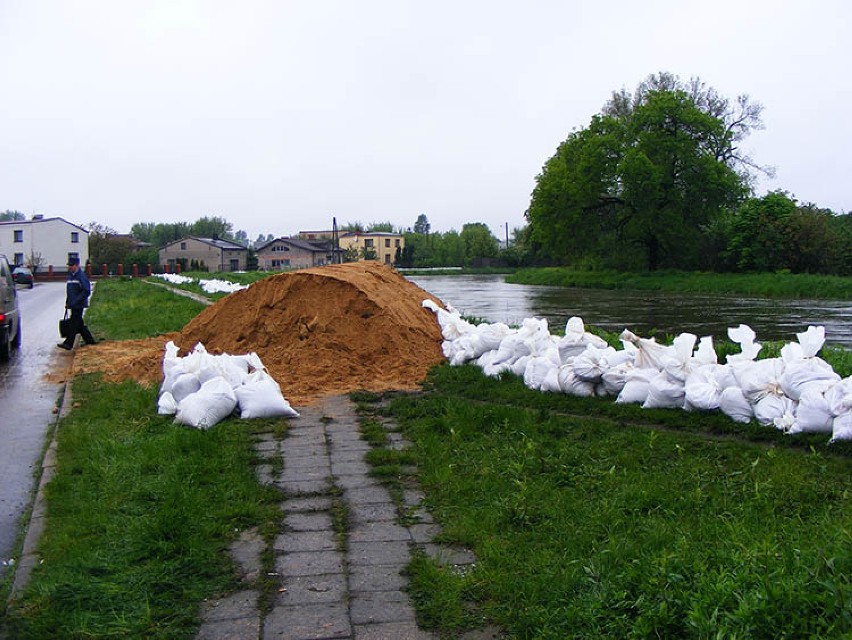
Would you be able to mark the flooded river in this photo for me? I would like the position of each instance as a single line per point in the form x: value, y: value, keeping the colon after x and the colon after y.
x: 645, y: 313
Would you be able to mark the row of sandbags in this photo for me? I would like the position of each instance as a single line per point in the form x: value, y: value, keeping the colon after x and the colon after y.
x: 213, y: 285
x: 797, y: 392
x: 202, y: 389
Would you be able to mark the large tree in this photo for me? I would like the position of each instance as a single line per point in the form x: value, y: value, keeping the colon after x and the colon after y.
x: 637, y: 187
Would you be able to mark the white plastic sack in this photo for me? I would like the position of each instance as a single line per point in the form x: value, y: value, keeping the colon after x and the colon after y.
x: 576, y: 340
x: 664, y: 392
x: 839, y: 397
x: 614, y: 378
x: 702, y: 390
x: 635, y: 390
x: 571, y: 385
x: 772, y: 407
x: 842, y: 427
x: 744, y: 336
x: 261, y: 397
x: 166, y: 405
x: 734, y: 404
x: 760, y: 378
x: 813, y: 415
x: 211, y: 404
x: 649, y: 354
x: 184, y: 385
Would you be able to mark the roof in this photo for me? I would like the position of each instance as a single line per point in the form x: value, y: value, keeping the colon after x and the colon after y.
x: 293, y: 242
x: 216, y: 242
x: 40, y: 220
x: 370, y: 233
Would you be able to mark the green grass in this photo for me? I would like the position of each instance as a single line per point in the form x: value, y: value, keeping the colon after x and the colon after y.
x: 592, y: 520
x: 141, y: 511
x: 779, y: 285
x: 140, y: 515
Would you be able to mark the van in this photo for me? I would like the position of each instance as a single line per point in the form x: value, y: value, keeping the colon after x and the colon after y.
x: 10, y: 317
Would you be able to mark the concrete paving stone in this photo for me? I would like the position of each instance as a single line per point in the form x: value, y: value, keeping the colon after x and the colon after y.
x: 350, y: 445
x: 421, y: 515
x: 378, y: 553
x: 309, y: 463
x: 391, y: 631
x: 233, y: 629
x: 303, y: 488
x: 382, y: 578
x: 347, y: 455
x: 298, y: 450
x: 356, y: 482
x: 424, y: 533
x: 380, y: 606
x: 300, y: 590
x: 367, y: 495
x: 308, y: 622
x: 359, y: 467
x: 264, y: 474
x: 412, y: 497
x: 246, y: 551
x: 236, y: 605
x: 314, y: 521
x: 266, y: 446
x: 295, y: 474
x: 305, y: 541
x: 399, y: 445
x: 448, y: 555
x: 312, y: 503
x: 377, y: 512
x: 306, y: 439
x: 378, y: 532
x: 309, y: 563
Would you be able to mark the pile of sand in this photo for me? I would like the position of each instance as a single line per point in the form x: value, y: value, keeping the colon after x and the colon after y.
x: 321, y: 331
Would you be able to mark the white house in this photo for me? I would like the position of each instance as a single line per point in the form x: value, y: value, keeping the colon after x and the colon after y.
x: 43, y: 242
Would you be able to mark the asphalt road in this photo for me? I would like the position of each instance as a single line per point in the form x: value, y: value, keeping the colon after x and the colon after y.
x: 30, y: 385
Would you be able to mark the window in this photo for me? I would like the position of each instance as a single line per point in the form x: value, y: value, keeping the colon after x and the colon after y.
x: 75, y: 237
x: 183, y: 246
x: 387, y: 258
x: 19, y: 259
x: 19, y: 235
x: 387, y: 243
x: 396, y: 242
x: 368, y: 243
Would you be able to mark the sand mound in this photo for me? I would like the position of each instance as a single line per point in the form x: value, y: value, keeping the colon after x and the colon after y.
x: 321, y: 331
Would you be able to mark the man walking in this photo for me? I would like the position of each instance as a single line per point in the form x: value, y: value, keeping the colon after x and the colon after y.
x: 77, y: 292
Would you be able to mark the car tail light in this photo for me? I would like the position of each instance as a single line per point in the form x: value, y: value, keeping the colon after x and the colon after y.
x: 2, y: 318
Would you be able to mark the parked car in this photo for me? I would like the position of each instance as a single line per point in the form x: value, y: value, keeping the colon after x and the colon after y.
x: 10, y: 317
x: 22, y: 275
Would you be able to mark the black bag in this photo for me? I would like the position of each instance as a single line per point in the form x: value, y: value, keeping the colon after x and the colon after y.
x: 65, y: 326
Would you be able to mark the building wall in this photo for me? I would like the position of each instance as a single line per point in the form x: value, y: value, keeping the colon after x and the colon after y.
x: 50, y: 241
x: 214, y: 258
x: 384, y: 244
x: 280, y: 256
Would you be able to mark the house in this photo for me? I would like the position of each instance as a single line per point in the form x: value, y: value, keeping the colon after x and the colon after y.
x: 292, y: 253
x: 204, y: 254
x: 384, y: 246
x: 42, y: 242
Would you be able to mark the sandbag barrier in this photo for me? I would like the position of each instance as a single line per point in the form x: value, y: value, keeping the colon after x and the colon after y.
x: 797, y: 392
x: 202, y: 389
x: 213, y: 285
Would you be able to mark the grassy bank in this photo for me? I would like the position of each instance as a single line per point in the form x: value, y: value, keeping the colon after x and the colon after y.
x: 141, y: 511
x: 778, y: 285
x: 595, y: 520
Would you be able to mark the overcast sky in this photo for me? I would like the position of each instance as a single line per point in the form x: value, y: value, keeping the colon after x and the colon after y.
x: 278, y: 115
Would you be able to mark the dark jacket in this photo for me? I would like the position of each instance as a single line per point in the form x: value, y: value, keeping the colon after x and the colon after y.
x: 77, y: 290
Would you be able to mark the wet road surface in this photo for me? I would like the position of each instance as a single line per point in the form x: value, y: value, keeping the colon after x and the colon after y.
x: 28, y: 396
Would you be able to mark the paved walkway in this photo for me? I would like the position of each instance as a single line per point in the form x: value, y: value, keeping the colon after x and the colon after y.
x: 341, y: 550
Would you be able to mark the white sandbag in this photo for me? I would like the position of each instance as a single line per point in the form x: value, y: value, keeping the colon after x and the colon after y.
x: 261, y: 397
x: 772, y: 407
x: 813, y: 415
x: 705, y: 354
x: 842, y: 427
x: 744, y: 336
x: 453, y: 326
x: 590, y: 364
x: 677, y: 363
x: 734, y: 404
x: 635, y: 390
x: 701, y: 389
x: 664, y: 392
x: 551, y: 381
x: 576, y: 339
x: 184, y: 385
x: 211, y: 404
x: 839, y: 397
x: 802, y: 370
x: 614, y: 378
x: 166, y: 405
x: 649, y: 354
x: 519, y: 366
x: 536, y: 371
x: 759, y: 378
x: 811, y: 340
x: 571, y: 385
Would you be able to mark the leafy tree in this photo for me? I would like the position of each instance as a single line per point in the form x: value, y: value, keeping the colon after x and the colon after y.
x: 381, y: 227
x: 758, y: 240
x: 211, y: 227
x: 639, y: 186
x: 422, y: 225
x: 478, y: 242
x: 11, y: 216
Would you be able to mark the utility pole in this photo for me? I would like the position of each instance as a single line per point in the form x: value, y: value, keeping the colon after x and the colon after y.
x: 507, y: 235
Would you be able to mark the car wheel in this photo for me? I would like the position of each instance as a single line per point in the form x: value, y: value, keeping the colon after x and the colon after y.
x: 16, y: 343
x: 31, y: 285
x: 4, y: 344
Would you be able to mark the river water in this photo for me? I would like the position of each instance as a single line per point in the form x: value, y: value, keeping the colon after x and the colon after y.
x: 646, y: 313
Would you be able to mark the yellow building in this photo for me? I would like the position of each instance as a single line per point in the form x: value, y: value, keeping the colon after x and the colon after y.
x: 382, y: 245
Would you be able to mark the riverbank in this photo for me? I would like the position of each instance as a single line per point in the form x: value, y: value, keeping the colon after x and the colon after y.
x: 774, y: 285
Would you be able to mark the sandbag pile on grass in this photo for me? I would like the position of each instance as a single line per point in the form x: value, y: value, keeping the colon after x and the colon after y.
x: 797, y: 392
